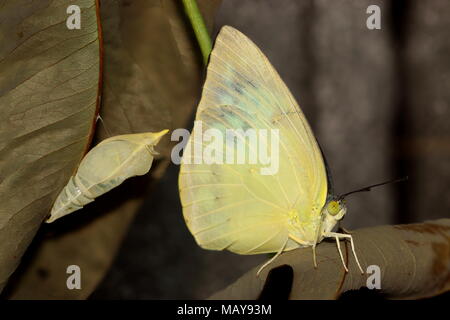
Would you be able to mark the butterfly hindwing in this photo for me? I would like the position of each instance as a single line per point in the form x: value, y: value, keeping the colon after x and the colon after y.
x: 233, y: 206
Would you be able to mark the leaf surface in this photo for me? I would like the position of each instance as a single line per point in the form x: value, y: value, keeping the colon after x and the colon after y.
x: 414, y: 261
x: 49, y: 83
x: 152, y: 80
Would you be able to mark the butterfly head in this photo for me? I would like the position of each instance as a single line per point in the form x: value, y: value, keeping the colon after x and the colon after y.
x: 335, y: 209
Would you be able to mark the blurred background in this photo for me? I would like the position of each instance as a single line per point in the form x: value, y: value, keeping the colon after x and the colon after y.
x: 378, y: 102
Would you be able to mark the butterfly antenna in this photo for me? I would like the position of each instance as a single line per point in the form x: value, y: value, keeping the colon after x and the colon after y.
x: 365, y: 189
x: 104, y: 126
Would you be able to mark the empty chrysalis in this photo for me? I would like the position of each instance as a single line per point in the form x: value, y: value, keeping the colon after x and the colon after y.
x: 105, y: 167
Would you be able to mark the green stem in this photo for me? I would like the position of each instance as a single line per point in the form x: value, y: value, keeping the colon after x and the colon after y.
x: 198, y: 24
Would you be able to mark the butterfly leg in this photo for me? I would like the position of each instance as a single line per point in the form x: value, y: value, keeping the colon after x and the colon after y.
x: 314, y: 255
x: 273, y: 258
x: 345, y: 236
x: 340, y: 253
x: 300, y: 242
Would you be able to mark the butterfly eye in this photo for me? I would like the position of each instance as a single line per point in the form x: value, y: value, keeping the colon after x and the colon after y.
x: 334, y: 207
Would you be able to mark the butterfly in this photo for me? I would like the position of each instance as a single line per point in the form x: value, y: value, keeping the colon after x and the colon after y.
x: 234, y: 207
x: 105, y: 167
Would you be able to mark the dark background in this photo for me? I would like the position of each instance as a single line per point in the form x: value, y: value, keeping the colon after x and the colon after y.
x: 379, y: 104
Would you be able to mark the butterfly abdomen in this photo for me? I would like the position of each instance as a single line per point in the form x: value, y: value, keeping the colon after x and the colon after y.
x: 302, y: 225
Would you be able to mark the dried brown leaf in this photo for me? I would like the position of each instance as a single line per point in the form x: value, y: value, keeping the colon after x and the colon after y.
x: 414, y: 261
x: 48, y: 97
x: 152, y: 79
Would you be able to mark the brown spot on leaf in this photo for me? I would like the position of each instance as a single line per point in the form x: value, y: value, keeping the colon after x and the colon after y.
x: 42, y: 273
x: 412, y: 242
x: 441, y: 263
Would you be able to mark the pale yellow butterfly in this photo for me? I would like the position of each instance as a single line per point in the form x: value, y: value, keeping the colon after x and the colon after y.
x: 233, y: 206
x: 105, y: 167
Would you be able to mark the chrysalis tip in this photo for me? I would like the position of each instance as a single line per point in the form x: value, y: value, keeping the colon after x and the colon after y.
x: 159, y: 135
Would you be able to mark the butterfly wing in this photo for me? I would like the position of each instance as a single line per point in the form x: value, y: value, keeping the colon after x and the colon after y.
x: 234, y: 206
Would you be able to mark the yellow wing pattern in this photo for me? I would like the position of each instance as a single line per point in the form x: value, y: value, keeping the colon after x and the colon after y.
x: 233, y: 206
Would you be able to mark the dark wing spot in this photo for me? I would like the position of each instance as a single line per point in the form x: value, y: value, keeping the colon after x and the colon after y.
x: 237, y: 87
